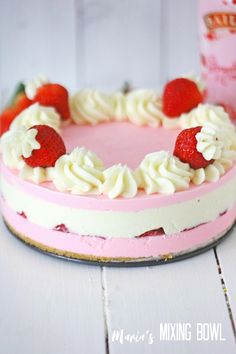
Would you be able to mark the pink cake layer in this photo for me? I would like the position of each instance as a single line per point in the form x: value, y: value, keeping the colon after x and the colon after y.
x: 47, y: 192
x: 150, y: 246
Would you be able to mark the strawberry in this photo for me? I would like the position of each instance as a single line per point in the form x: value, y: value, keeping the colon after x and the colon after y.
x: 62, y: 228
x: 186, y: 149
x: 6, y: 118
x: 180, y: 96
x: 9, y: 114
x: 22, y: 103
x: 51, y: 147
x: 56, y: 96
x: 156, y: 232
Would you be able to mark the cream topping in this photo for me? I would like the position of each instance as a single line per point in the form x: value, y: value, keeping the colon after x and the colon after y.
x: 118, y: 102
x: 206, y: 114
x: 144, y: 107
x: 36, y: 115
x: 227, y: 159
x: 31, y: 86
x: 37, y: 175
x: 93, y: 107
x: 219, y: 133
x: 79, y: 172
x: 160, y: 172
x: 82, y: 172
x: 210, y: 143
x: 211, y: 173
x: 119, y: 181
x: 18, y: 143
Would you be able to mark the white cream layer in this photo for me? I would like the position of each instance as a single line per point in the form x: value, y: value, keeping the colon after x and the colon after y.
x: 173, y: 218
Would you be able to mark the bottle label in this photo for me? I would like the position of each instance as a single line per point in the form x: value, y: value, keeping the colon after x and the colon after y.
x: 219, y: 20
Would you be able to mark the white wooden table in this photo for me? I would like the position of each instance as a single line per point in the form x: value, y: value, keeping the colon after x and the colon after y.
x: 48, y: 305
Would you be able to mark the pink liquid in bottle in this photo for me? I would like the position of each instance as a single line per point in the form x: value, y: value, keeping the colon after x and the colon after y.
x: 217, y: 25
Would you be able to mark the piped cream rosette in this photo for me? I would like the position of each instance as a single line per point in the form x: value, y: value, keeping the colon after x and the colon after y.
x: 79, y: 172
x: 35, y: 115
x: 19, y: 141
x: 141, y: 107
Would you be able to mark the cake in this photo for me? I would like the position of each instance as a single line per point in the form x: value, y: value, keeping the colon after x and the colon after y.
x: 117, y: 178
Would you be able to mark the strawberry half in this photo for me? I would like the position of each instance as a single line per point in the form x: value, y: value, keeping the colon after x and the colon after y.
x: 23, y: 102
x: 51, y: 147
x: 56, y: 96
x: 8, y: 115
x: 186, y: 149
x: 6, y: 118
x: 180, y: 96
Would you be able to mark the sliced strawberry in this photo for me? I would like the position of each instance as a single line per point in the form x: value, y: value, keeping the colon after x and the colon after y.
x: 156, y: 232
x: 51, y: 147
x: 180, y: 96
x: 61, y: 228
x: 56, y: 96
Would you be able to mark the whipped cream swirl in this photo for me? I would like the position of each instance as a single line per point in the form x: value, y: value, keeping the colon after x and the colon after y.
x: 211, y: 173
x: 144, y: 108
x: 160, y: 172
x: 37, y: 174
x: 205, y: 114
x: 226, y: 161
x: 118, y: 102
x: 93, y: 107
x: 79, y: 172
x: 119, y: 181
x: 18, y: 143
x: 31, y: 86
x: 209, y: 143
x: 35, y: 115
x: 218, y: 168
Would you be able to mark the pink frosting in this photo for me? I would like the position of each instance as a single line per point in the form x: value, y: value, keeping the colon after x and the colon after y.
x: 119, y: 142
x: 150, y: 246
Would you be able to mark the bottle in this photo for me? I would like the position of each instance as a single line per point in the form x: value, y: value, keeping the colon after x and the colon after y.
x: 217, y: 29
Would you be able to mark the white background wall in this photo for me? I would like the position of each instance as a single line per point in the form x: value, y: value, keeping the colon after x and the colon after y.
x: 97, y: 43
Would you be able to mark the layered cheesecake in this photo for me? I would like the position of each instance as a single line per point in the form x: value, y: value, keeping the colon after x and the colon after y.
x: 118, y: 178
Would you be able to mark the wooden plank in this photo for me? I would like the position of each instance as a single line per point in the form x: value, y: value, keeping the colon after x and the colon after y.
x: 180, y: 36
x: 121, y: 43
x: 226, y: 252
x: 37, y: 37
x: 139, y: 300
x: 48, y: 305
